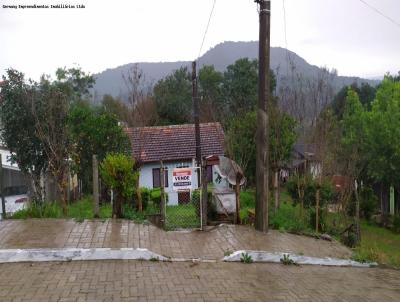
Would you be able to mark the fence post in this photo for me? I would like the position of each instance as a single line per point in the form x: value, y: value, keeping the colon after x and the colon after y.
x: 162, y: 193
x: 204, y: 193
x: 95, y: 187
x: 3, y: 202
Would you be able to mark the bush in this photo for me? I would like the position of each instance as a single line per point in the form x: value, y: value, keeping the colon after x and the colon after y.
x: 146, y: 197
x: 368, y: 203
x: 396, y: 223
x: 39, y: 210
x: 312, y: 219
x: 309, y: 186
x: 349, y: 239
x: 288, y: 218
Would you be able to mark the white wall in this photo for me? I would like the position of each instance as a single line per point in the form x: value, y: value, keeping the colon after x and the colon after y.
x: 5, y: 158
x: 146, y: 178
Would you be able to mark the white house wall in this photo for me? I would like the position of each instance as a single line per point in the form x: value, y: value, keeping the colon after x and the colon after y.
x: 146, y: 177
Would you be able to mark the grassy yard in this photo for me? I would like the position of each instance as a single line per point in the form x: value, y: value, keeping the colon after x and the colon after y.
x: 181, y: 216
x: 378, y: 244
x: 80, y: 210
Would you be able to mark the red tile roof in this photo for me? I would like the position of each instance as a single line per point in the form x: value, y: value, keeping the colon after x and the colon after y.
x: 176, y: 142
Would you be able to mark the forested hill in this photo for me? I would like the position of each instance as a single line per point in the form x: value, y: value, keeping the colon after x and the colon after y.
x: 111, y: 82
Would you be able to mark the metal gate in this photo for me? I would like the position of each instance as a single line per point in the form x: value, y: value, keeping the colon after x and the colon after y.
x: 181, y: 207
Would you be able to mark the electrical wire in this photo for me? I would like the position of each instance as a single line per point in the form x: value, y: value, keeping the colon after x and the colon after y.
x: 205, y: 32
x: 286, y: 43
x: 380, y: 13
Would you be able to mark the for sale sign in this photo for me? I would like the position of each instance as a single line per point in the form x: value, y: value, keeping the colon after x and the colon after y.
x: 182, y: 179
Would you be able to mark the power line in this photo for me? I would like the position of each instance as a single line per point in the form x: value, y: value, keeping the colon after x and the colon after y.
x: 380, y: 13
x: 208, y: 24
x: 286, y: 43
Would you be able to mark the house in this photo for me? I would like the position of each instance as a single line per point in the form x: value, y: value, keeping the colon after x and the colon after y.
x: 304, y: 160
x: 175, y: 146
x: 12, y: 175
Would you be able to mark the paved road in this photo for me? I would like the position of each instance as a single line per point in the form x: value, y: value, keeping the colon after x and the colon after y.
x: 59, y: 233
x: 156, y: 281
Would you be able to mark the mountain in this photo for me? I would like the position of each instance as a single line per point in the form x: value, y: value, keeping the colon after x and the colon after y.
x: 111, y: 82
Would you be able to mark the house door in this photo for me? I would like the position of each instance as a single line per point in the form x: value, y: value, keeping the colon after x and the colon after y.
x: 183, y: 197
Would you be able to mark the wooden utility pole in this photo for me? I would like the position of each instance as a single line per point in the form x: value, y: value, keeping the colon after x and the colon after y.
x: 262, y: 173
x: 201, y: 175
x: 196, y: 117
x: 162, y: 193
x: 3, y: 202
x: 95, y: 187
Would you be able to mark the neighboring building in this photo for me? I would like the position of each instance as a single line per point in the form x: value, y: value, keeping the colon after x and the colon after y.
x: 12, y: 176
x: 304, y: 160
x: 175, y: 147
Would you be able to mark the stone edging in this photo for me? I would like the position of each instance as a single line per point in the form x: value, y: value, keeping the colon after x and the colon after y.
x: 81, y: 254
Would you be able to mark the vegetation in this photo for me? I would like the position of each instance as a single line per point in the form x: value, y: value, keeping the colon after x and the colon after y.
x: 80, y: 210
x: 246, y: 258
x: 93, y: 131
x: 378, y: 244
x: 286, y: 260
x: 117, y: 173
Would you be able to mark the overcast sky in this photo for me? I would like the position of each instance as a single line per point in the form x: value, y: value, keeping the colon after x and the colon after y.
x: 341, y: 34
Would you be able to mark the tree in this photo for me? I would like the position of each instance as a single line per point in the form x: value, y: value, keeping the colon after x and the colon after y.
x: 365, y: 92
x: 241, y: 141
x: 212, y: 106
x: 353, y: 138
x: 17, y: 130
x: 382, y: 134
x: 282, y: 137
x: 93, y: 130
x: 50, y: 104
x: 116, y: 107
x: 118, y: 174
x: 240, y: 86
x: 174, y: 98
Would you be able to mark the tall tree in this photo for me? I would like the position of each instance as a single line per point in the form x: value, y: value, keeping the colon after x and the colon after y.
x: 173, y: 97
x: 93, y: 131
x: 17, y: 129
x: 50, y: 108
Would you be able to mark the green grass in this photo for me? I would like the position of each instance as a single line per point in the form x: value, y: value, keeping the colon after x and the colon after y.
x: 80, y: 210
x: 181, y: 216
x: 378, y: 244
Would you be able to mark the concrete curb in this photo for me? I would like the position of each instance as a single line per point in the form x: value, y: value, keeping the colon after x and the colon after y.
x: 81, y: 254
x: 77, y: 254
x: 262, y: 256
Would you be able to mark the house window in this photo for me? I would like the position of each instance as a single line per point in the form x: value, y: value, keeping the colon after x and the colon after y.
x: 209, y: 174
x: 157, y: 178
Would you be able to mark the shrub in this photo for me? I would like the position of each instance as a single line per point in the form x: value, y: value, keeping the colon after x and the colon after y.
x: 309, y: 186
x: 368, y: 203
x: 349, y: 239
x: 146, y: 197
x: 117, y: 172
x: 39, y: 210
x: 396, y: 223
x: 322, y: 219
x: 288, y: 218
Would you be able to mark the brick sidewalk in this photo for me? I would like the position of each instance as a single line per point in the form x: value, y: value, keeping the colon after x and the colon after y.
x: 160, y: 281
x: 59, y: 233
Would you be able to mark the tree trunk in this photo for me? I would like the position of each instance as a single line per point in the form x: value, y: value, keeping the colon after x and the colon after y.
x: 138, y: 196
x: 117, y: 205
x: 358, y: 230
x: 317, y: 202
x: 276, y: 190
x: 237, y: 194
